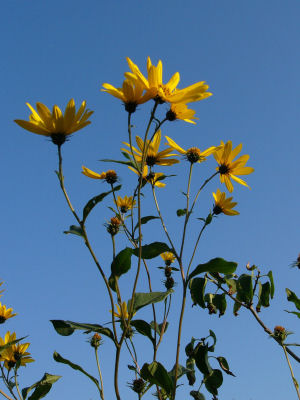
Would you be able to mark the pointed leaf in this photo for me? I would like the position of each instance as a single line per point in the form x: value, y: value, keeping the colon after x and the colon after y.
x: 75, y: 230
x: 118, y: 162
x: 144, y: 220
x: 215, y: 265
x: 11, y: 343
x: 58, y: 358
x: 201, y: 358
x: 270, y: 275
x: 122, y: 262
x: 214, y: 381
x: 263, y: 295
x: 245, y: 288
x: 158, y: 328
x: 291, y: 296
x: 42, y: 387
x: 224, y: 365
x: 197, y: 289
x: 152, y: 250
x: 156, y: 374
x: 95, y: 200
x: 143, y: 327
x: 144, y: 299
x: 293, y: 312
x: 66, y: 328
x: 212, y: 334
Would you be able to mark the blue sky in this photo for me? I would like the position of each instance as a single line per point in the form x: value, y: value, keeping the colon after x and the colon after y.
x: 248, y: 52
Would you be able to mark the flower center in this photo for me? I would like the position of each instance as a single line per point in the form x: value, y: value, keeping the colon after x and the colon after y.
x: 58, y: 138
x: 2, y: 319
x: 224, y: 169
x: 171, y: 116
x: 130, y: 106
x: 111, y: 176
x: 17, y: 355
x: 194, y: 154
x: 217, y: 209
x: 151, y: 160
x: 124, y: 209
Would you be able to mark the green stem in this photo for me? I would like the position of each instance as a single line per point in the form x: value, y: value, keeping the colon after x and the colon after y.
x: 195, y: 248
x: 5, y: 395
x: 100, y: 374
x: 200, y: 189
x: 187, y: 209
x: 17, y: 385
x: 6, y: 382
x: 292, y: 373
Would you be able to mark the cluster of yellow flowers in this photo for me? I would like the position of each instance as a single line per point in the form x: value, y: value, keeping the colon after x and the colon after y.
x: 138, y: 89
x: 12, y: 354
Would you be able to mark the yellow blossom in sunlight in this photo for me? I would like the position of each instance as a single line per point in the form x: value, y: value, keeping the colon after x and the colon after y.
x: 5, y: 313
x: 223, y: 205
x: 181, y: 111
x: 153, y: 156
x: 110, y: 176
x: 193, y: 154
x: 122, y: 312
x: 228, y: 168
x: 168, y: 91
x: 168, y: 257
x: 56, y: 124
x: 8, y: 338
x: 16, y: 355
x: 153, y: 178
x: 131, y: 93
x: 125, y: 204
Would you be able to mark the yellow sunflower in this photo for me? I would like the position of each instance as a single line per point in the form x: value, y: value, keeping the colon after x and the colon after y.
x: 193, y: 154
x: 56, y: 124
x: 7, y: 339
x: 5, y: 313
x: 110, y: 176
x: 223, y: 205
x: 168, y: 257
x: 153, y: 156
x: 181, y: 111
x: 131, y: 93
x: 168, y: 91
x: 122, y: 312
x: 153, y: 178
x: 125, y: 204
x: 228, y: 168
x: 16, y: 355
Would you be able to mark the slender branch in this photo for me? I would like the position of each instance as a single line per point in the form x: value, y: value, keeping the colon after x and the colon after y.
x: 195, y: 248
x: 5, y: 380
x: 292, y: 373
x: 5, y: 395
x: 17, y: 385
x: 199, y: 191
x: 187, y: 209
x: 100, y: 374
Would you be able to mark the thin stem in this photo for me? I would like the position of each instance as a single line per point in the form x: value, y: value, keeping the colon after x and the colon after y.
x: 195, y: 248
x: 187, y: 209
x: 117, y: 359
x: 200, y: 189
x: 5, y: 380
x: 130, y: 142
x: 5, y: 395
x: 292, y: 373
x: 100, y: 374
x: 134, y: 358
x: 17, y: 385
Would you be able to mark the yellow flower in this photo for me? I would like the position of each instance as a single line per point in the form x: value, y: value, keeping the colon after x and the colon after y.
x: 122, y: 312
x: 228, y: 168
x: 56, y: 124
x: 153, y: 178
x: 181, y: 111
x: 131, y: 93
x: 223, y: 205
x: 168, y: 257
x: 110, y: 176
x: 153, y: 157
x: 125, y: 204
x: 166, y: 92
x: 16, y: 355
x: 5, y: 313
x: 193, y: 154
x: 7, y: 339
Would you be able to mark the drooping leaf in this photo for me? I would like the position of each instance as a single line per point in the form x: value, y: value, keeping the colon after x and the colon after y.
x: 95, y: 200
x: 191, y: 375
x: 156, y: 374
x: 143, y: 327
x: 236, y: 305
x: 201, y: 359
x: 180, y: 212
x: 231, y: 283
x: 245, y: 288
x: 122, y: 262
x: 270, y: 275
x: 75, y: 230
x: 158, y: 327
x: 197, y: 289
x: 144, y: 299
x: 112, y: 281
x: 144, y: 220
x: 219, y: 301
x: 212, y: 334
x: 152, y: 250
x: 291, y: 296
x: 66, y: 328
x: 224, y: 365
x: 263, y: 295
x: 214, y: 381
x: 58, y: 358
x: 42, y: 387
x: 189, y: 348
x: 215, y: 265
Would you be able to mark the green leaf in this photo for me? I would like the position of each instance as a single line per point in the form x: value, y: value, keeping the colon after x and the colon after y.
x: 270, y: 275
x: 42, y: 387
x: 264, y: 295
x: 156, y: 374
x: 181, y: 370
x: 180, y: 212
x: 236, y: 306
x: 118, y: 162
x: 122, y: 262
x: 75, y: 230
x: 201, y: 358
x: 152, y: 250
x: 11, y: 343
x: 245, y: 288
x: 291, y: 296
x: 215, y: 265
x: 95, y: 200
x: 197, y: 289
x: 219, y: 300
x: 112, y: 280
x: 58, y: 358
x: 293, y: 312
x: 143, y: 327
x: 191, y: 375
x: 189, y: 348
x: 144, y: 299
x: 214, y: 381
x: 212, y: 334
x: 66, y: 328
x: 231, y: 283
x: 197, y: 395
x: 144, y: 220
x: 224, y: 365
x: 158, y: 327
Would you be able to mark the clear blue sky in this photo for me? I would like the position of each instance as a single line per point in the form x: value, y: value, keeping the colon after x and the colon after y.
x: 248, y: 52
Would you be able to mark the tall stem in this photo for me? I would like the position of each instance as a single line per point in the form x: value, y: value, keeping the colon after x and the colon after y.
x: 17, y: 385
x: 187, y: 209
x: 292, y: 373
x: 100, y: 374
x: 5, y: 395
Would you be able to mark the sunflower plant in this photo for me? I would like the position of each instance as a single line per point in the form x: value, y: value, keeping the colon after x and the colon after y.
x: 207, y: 284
